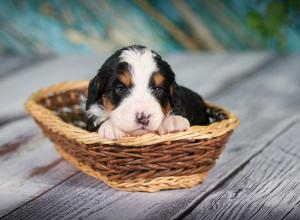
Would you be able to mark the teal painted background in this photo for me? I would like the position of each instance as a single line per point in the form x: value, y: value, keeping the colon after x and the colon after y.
x: 96, y: 26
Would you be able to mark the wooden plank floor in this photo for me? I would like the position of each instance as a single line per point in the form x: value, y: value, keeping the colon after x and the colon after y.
x: 256, y: 177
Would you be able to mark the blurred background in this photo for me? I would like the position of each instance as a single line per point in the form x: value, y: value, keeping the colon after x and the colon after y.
x: 34, y: 27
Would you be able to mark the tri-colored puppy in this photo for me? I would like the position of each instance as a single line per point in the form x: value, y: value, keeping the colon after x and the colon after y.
x: 135, y: 92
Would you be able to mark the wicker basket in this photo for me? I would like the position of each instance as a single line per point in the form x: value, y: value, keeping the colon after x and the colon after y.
x: 147, y: 163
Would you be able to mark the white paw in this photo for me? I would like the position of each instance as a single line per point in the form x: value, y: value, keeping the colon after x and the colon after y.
x: 109, y: 131
x: 173, y: 123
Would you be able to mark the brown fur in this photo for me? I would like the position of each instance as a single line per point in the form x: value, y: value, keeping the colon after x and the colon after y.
x: 167, y: 108
x: 125, y: 78
x: 108, y: 106
x: 158, y: 79
x: 171, y: 90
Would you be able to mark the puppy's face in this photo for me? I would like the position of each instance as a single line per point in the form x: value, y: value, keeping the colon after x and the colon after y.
x: 136, y: 92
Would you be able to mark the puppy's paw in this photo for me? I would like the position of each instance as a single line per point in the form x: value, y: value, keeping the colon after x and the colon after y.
x: 173, y: 123
x: 109, y: 131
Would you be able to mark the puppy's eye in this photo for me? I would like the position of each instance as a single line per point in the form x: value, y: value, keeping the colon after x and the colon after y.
x: 121, y: 90
x: 158, y: 91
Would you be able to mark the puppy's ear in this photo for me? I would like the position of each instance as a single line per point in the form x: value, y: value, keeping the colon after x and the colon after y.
x: 94, y: 103
x: 174, y: 95
x: 97, y: 88
x: 93, y: 93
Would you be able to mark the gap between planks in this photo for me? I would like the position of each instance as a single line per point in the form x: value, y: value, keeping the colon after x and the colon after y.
x: 228, y: 84
x: 46, y: 191
x: 250, y: 73
x: 20, y: 64
x: 267, y: 188
x: 278, y: 132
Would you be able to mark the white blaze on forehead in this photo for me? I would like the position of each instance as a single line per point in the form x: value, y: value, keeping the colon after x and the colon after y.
x: 141, y: 65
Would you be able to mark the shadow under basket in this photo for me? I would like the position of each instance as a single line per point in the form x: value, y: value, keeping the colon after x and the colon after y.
x: 149, y: 163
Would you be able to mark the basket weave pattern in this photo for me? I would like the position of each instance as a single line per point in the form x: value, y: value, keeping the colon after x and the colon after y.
x: 147, y: 163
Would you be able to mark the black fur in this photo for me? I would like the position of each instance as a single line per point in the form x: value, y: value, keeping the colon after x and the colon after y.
x: 184, y: 101
x: 189, y: 105
x: 103, y: 83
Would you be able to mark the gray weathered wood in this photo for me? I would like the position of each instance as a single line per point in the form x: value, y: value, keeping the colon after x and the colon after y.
x: 29, y: 165
x: 268, y: 187
x: 208, y: 63
x: 254, y: 100
x: 210, y: 72
x: 55, y: 70
x: 264, y: 101
x: 11, y: 64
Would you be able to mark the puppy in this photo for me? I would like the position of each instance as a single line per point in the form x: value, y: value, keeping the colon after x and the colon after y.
x: 135, y: 92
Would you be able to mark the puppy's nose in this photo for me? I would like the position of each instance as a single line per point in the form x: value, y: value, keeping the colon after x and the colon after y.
x: 142, y: 118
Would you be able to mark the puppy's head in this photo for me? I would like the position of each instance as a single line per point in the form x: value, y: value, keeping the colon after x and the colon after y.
x: 135, y: 88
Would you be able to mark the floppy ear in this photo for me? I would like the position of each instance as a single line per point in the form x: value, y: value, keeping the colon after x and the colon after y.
x: 173, y: 87
x: 174, y: 95
x: 97, y: 88
x: 93, y: 105
x: 93, y: 93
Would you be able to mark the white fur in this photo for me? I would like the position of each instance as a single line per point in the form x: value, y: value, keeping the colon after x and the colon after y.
x: 82, y: 102
x: 173, y: 123
x: 100, y: 114
x: 94, y: 110
x: 141, y: 66
x: 108, y: 130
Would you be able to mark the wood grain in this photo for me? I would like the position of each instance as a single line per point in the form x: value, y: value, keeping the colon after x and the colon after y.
x: 44, y: 74
x: 29, y: 165
x: 208, y: 73
x: 272, y: 88
x: 14, y: 65
x: 262, y: 102
x: 38, y: 169
x: 266, y: 188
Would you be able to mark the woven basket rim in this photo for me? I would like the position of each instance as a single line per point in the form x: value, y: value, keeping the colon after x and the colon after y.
x: 39, y: 113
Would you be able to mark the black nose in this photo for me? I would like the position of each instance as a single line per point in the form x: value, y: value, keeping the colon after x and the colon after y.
x: 143, y: 119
